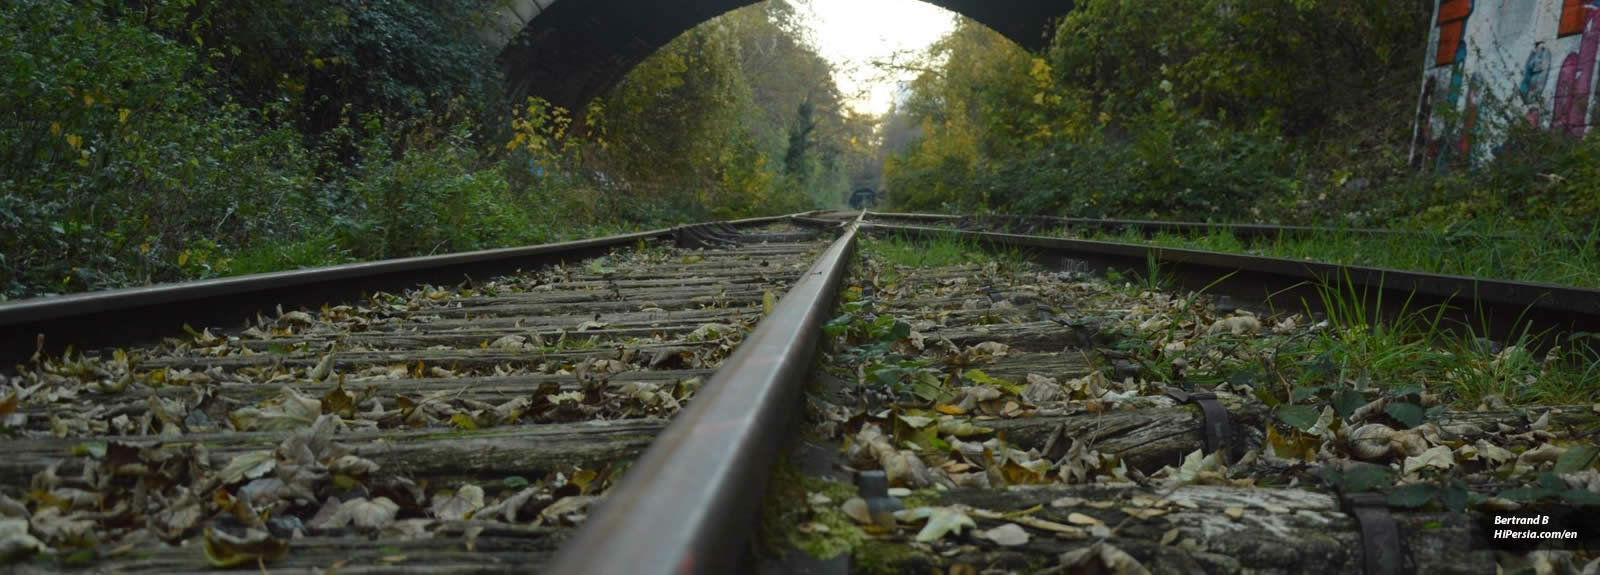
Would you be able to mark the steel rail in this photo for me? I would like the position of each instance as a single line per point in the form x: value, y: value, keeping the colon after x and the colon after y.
x: 1151, y: 227
x: 1495, y: 308
x: 690, y: 503
x: 131, y: 315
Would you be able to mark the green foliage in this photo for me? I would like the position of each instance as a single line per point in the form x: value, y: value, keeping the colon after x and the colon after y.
x: 160, y: 140
x: 337, y: 59
x: 735, y: 117
x: 437, y: 197
x: 113, y: 163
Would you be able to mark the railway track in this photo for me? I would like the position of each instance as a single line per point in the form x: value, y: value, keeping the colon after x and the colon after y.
x: 388, y: 432
x: 704, y: 392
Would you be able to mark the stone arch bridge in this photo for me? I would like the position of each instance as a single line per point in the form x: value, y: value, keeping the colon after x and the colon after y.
x: 569, y: 51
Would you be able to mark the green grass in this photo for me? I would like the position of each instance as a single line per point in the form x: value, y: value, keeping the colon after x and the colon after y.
x: 1417, y: 348
x: 1414, y: 348
x: 940, y: 251
x: 1550, y: 254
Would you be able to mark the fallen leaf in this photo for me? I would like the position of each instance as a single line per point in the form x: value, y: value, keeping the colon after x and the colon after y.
x: 1234, y: 512
x: 1009, y: 535
x: 370, y: 514
x: 249, y: 465
x: 15, y: 542
x: 1101, y: 558
x: 1541, y: 454
x: 459, y: 505
x: 1493, y: 452
x: 1238, y: 325
x: 571, y: 509
x: 856, y: 508
x: 1081, y: 519
x: 1067, y: 502
x: 323, y: 369
x: 1194, y: 464
x: 290, y: 411
x: 1144, y: 513
x: 941, y: 520
x: 1168, y: 537
x: 256, y: 546
x: 1439, y: 457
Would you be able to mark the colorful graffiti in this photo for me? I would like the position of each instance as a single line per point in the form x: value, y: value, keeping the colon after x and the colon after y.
x: 1571, y: 17
x: 1452, y: 24
x: 1492, y: 64
x: 1576, y: 82
x: 1535, y: 72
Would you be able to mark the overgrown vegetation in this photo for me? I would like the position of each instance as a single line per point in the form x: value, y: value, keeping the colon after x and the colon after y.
x: 1539, y: 253
x: 1275, y: 112
x: 940, y: 251
x: 158, y: 140
x: 1346, y: 356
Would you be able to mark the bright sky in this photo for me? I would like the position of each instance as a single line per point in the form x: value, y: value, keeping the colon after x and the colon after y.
x: 853, y: 33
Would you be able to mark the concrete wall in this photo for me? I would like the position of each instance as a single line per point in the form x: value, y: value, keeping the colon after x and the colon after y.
x: 1491, y: 63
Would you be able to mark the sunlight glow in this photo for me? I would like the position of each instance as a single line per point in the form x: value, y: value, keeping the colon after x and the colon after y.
x: 853, y: 33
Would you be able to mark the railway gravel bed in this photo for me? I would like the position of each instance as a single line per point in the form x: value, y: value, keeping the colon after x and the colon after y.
x: 973, y: 413
x: 997, y: 417
x: 443, y: 429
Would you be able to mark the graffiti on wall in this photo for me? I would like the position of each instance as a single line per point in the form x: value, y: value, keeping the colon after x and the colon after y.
x: 1493, y: 63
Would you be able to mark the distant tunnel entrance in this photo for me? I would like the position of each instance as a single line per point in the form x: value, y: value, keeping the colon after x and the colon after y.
x: 863, y: 198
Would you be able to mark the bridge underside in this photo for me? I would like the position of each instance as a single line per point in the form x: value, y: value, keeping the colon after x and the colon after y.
x: 572, y: 51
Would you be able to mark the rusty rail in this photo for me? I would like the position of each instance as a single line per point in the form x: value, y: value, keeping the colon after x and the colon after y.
x: 124, y: 316
x: 1248, y: 232
x: 690, y: 503
x: 1494, y: 308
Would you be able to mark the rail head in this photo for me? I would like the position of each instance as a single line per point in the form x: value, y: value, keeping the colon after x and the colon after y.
x: 690, y: 503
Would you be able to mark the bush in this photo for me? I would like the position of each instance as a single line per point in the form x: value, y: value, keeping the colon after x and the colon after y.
x: 113, y: 163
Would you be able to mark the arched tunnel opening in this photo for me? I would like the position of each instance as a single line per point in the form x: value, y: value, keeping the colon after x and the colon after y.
x: 569, y: 52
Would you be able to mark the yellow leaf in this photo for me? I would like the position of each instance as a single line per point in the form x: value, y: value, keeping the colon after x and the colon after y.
x: 183, y: 258
x: 317, y: 63
x: 949, y: 409
x: 144, y: 248
x: 224, y: 550
x: 767, y: 301
x: 583, y: 478
x: 122, y: 115
x: 464, y: 421
x: 75, y: 141
x: 88, y: 100
x: 55, y: 128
